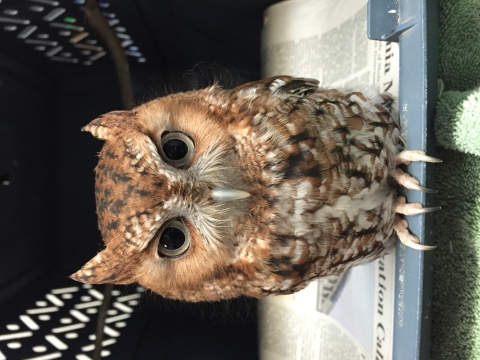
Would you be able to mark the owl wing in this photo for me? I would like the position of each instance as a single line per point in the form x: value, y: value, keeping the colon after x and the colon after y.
x: 282, y: 86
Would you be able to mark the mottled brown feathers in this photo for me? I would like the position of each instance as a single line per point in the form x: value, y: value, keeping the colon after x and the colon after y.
x: 315, y: 162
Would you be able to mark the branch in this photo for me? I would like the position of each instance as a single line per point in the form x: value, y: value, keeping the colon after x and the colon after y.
x: 102, y: 315
x: 98, y: 22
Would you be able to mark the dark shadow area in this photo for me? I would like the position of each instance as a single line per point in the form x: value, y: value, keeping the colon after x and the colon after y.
x: 50, y: 86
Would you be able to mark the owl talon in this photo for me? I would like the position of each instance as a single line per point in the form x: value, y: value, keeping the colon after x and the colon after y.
x: 407, y: 156
x: 408, y: 181
x: 416, y: 211
x: 401, y: 207
x: 401, y: 228
x: 416, y: 246
x: 413, y: 186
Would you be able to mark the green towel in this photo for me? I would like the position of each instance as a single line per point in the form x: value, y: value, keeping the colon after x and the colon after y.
x: 459, y: 63
x: 456, y: 264
x: 456, y: 267
x: 457, y: 126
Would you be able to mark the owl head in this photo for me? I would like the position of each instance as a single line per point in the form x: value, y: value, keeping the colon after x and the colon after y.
x: 195, y: 192
x: 172, y: 199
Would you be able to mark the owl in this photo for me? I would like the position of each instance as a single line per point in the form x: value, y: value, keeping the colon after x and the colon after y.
x: 257, y: 190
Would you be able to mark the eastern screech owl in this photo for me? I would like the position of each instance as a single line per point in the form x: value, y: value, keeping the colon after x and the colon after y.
x: 213, y: 194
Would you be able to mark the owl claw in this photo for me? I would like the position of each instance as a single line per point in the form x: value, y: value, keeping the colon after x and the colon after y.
x: 408, y: 181
x: 401, y: 207
x: 401, y: 228
x: 416, y: 187
x: 415, y: 245
x: 423, y: 210
x: 407, y: 156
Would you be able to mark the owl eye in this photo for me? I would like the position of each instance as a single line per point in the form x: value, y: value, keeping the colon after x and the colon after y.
x: 177, y: 148
x: 174, y: 240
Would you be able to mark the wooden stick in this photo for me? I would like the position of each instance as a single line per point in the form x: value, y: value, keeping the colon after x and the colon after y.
x: 102, y: 315
x: 98, y: 22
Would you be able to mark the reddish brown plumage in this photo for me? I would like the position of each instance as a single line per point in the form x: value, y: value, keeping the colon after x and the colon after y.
x: 315, y: 162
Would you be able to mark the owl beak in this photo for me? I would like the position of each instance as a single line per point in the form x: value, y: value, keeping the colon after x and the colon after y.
x: 224, y: 195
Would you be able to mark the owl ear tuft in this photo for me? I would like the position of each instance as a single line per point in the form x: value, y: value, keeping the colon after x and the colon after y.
x: 103, y: 268
x: 99, y: 131
x: 107, y: 126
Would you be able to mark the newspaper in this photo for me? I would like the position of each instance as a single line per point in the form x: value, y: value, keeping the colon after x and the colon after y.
x: 338, y: 317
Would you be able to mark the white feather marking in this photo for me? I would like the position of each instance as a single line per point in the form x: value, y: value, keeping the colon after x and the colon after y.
x: 248, y: 93
x: 298, y: 250
x: 304, y: 189
x: 291, y: 127
x: 276, y: 84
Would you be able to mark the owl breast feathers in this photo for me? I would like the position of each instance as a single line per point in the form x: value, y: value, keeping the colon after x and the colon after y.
x: 214, y: 194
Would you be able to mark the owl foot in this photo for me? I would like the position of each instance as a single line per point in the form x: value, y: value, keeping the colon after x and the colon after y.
x: 401, y: 228
x: 401, y: 207
x: 407, y: 156
x: 408, y: 181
